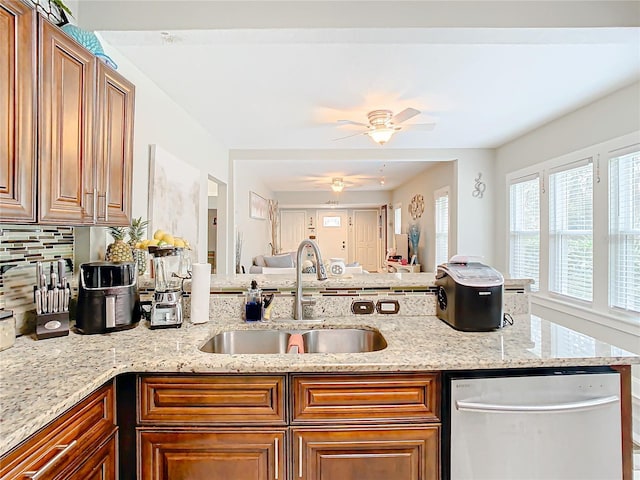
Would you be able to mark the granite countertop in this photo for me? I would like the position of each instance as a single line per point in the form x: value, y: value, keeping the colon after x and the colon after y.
x: 42, y: 379
x: 288, y: 281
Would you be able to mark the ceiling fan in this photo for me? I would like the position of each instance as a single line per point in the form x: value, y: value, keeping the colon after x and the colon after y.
x: 383, y: 124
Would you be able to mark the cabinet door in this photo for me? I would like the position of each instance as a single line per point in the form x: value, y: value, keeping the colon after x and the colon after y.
x: 102, y: 465
x: 67, y: 94
x: 114, y: 147
x: 17, y: 112
x: 240, y: 454
x: 372, y: 453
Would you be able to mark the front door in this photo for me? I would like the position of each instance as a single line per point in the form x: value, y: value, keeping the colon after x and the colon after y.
x: 332, y: 234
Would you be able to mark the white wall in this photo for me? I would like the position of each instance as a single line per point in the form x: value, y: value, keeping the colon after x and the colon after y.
x: 159, y: 120
x: 256, y: 234
x: 471, y: 219
x: 345, y: 199
x: 474, y: 216
x: 609, y: 117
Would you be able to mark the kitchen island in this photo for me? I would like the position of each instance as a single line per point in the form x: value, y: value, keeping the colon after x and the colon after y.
x: 42, y: 379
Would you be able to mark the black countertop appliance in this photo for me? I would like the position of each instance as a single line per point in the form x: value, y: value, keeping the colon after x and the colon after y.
x: 108, y: 298
x: 470, y: 296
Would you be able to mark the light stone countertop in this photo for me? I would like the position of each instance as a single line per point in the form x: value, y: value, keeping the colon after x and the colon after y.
x: 288, y: 281
x: 42, y: 379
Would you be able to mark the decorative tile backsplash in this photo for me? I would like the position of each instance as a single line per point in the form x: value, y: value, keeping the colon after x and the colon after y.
x: 21, y: 246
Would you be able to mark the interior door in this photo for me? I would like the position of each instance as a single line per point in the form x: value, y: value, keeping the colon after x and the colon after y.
x: 333, y: 234
x: 365, y: 238
x: 292, y: 229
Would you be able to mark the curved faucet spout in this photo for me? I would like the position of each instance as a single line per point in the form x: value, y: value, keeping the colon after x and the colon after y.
x: 321, y: 274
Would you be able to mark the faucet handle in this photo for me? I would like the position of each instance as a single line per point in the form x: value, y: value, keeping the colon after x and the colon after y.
x: 308, y: 301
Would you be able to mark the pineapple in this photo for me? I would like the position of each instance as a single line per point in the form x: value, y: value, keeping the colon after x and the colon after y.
x: 136, y: 232
x: 118, y: 251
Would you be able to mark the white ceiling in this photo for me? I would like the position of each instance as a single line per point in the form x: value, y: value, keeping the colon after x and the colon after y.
x: 265, y: 91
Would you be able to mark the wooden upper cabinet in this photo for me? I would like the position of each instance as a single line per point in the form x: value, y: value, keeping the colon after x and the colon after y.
x: 114, y: 148
x: 17, y: 112
x: 67, y: 93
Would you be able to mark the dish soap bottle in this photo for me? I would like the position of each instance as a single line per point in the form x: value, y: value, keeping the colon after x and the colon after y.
x: 253, y: 305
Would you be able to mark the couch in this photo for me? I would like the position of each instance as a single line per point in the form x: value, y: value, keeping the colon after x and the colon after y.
x: 282, y: 260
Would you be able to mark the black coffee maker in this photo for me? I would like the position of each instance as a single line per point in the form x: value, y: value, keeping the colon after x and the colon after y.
x: 108, y: 298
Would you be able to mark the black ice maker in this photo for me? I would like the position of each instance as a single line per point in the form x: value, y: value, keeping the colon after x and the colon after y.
x: 469, y: 296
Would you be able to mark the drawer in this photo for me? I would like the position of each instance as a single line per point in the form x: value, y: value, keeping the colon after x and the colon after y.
x: 63, y: 444
x: 366, y: 398
x: 207, y: 400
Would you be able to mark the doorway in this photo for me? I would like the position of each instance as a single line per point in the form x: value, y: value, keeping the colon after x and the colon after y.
x: 216, y: 225
x: 333, y: 232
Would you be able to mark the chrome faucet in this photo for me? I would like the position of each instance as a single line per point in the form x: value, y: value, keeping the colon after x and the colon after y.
x: 300, y: 301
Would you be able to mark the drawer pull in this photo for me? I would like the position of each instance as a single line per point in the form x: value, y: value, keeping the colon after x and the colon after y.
x: 65, y: 449
x: 277, y: 466
x: 300, y: 457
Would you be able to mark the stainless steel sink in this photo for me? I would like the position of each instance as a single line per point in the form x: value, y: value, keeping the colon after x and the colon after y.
x: 248, y: 341
x: 343, y: 340
x: 336, y: 340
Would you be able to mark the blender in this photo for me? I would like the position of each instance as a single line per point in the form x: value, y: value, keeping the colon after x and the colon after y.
x: 171, y: 266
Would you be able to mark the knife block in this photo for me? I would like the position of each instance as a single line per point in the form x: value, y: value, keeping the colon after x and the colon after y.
x: 50, y: 325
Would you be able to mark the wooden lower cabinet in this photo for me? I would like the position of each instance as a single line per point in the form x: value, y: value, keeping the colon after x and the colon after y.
x: 205, y: 454
x: 80, y: 444
x: 371, y: 452
x: 102, y: 465
x: 331, y: 427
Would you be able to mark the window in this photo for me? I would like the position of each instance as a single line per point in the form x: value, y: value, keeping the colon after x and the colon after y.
x: 524, y: 229
x: 624, y: 232
x: 571, y: 230
x: 397, y: 219
x: 331, y: 222
x: 442, y: 226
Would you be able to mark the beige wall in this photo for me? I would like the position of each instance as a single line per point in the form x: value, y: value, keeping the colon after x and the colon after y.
x: 432, y: 178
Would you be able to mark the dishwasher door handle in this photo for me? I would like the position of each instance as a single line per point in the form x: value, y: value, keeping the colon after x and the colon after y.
x: 556, y: 407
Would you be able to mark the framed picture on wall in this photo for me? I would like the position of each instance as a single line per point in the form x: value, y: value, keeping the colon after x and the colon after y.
x: 258, y: 206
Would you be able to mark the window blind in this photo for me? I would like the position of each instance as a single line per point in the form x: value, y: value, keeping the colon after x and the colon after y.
x: 571, y: 230
x: 624, y: 232
x: 524, y: 230
x: 442, y: 227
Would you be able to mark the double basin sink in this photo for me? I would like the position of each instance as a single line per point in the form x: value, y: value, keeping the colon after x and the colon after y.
x: 335, y: 340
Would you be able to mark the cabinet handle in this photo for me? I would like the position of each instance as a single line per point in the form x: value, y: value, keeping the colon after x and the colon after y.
x: 38, y: 474
x: 277, y: 466
x: 105, y: 210
x: 300, y: 457
x: 92, y: 194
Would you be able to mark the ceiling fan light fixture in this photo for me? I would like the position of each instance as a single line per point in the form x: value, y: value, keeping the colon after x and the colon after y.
x: 337, y: 185
x: 381, y: 135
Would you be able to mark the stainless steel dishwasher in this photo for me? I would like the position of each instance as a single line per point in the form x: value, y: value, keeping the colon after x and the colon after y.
x: 533, y: 425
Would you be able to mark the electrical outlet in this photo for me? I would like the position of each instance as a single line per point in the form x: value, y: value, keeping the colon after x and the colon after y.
x: 362, y: 307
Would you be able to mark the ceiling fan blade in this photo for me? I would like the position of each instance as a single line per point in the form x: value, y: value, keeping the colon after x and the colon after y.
x: 420, y: 126
x: 351, y: 122
x: 405, y: 115
x: 352, y: 135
